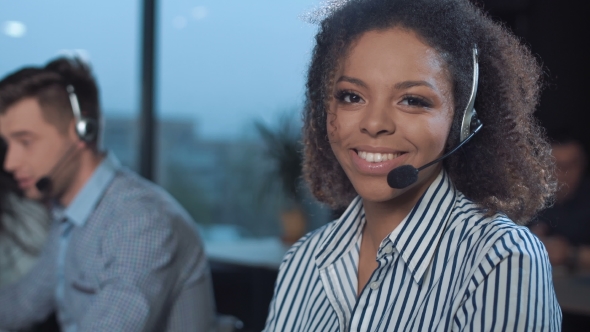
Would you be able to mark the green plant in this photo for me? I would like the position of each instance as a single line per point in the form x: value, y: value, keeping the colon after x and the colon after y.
x: 284, y: 150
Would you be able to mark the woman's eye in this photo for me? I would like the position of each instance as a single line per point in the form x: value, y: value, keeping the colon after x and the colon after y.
x: 348, y: 97
x: 415, y: 101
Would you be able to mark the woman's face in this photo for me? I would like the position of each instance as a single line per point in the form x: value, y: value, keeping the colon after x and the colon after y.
x: 392, y: 105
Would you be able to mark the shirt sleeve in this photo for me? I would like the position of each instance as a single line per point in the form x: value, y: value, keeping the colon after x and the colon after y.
x: 138, y: 274
x: 288, y: 273
x: 512, y: 289
x: 32, y: 298
x: 271, y: 319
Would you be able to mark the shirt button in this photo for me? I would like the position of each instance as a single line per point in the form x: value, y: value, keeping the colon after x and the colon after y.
x: 388, y: 249
x: 374, y: 285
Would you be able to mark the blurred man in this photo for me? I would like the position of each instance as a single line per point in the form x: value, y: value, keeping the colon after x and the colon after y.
x: 565, y: 227
x: 122, y: 255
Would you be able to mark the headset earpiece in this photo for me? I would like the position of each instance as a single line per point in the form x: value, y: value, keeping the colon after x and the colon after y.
x: 471, y: 123
x: 86, y: 128
x: 475, y: 122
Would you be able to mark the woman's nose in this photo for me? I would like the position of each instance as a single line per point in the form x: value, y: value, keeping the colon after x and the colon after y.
x: 378, y: 120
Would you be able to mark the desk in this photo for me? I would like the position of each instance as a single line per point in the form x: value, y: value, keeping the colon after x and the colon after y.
x: 244, y: 273
x: 263, y: 252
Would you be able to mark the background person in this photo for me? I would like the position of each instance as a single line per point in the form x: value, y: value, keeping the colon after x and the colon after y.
x: 23, y: 229
x: 564, y: 228
x: 388, y: 85
x: 122, y: 255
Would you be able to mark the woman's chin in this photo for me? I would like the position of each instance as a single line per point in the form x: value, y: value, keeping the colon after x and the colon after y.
x: 376, y: 191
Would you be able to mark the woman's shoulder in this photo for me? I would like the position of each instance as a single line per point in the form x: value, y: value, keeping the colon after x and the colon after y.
x: 495, y: 234
x: 468, y: 214
x: 307, y: 246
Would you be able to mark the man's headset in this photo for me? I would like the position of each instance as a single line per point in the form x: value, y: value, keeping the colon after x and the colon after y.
x: 86, y: 129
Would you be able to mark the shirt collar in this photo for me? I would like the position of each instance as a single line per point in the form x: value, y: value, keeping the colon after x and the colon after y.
x: 418, y: 235
x: 86, y: 200
x: 415, y: 239
x: 343, y: 236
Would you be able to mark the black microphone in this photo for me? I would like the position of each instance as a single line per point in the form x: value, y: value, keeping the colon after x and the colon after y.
x: 45, y: 183
x: 405, y: 175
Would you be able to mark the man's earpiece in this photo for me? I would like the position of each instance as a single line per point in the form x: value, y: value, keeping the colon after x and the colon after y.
x: 86, y: 128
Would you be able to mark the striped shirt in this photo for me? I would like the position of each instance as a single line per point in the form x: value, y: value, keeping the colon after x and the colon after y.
x: 446, y: 267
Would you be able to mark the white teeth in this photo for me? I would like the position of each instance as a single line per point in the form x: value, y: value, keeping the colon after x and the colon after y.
x: 377, y: 157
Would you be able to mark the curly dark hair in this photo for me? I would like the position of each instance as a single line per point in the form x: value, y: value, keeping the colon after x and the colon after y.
x: 507, y: 167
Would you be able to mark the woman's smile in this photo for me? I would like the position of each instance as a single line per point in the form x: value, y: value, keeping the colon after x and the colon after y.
x: 376, y: 160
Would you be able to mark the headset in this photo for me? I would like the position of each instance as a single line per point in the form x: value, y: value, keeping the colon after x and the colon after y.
x: 86, y: 128
x: 405, y: 175
x: 471, y: 124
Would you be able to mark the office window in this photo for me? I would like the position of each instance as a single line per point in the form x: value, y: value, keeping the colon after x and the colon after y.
x: 223, y: 66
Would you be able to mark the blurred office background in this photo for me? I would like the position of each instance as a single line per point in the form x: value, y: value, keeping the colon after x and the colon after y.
x: 227, y: 74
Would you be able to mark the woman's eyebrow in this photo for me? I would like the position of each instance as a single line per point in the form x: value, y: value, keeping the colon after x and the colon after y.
x: 398, y: 86
x: 352, y: 80
x: 409, y: 84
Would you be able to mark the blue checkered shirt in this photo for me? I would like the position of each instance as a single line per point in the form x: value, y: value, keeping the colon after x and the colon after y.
x: 123, y: 256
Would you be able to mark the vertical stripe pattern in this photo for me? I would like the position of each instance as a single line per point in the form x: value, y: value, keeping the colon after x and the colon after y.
x: 446, y: 267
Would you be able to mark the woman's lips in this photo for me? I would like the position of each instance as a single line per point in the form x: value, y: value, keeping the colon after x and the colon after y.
x: 377, y: 163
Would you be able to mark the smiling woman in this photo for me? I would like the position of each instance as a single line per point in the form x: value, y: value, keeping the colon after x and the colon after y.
x: 389, y: 84
x: 392, y: 97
